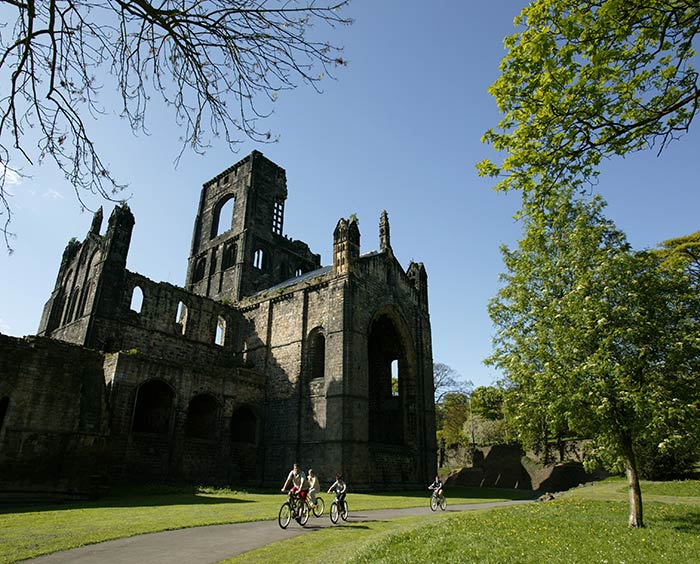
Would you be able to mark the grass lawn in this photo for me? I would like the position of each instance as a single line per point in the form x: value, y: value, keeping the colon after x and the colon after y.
x: 586, y: 525
x: 30, y: 531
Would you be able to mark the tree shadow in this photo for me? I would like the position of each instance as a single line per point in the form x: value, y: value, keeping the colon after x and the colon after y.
x: 153, y: 500
x: 688, y: 523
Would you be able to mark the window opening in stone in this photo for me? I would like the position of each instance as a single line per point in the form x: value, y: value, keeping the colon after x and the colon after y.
x: 244, y: 426
x: 220, y: 331
x: 222, y: 220
x: 199, y: 269
x: 4, y: 403
x: 202, y: 417
x: 181, y: 316
x: 153, y: 409
x: 73, y: 309
x: 386, y: 360
x: 395, y: 378
x: 228, y: 258
x: 259, y: 259
x: 318, y: 356
x: 136, y: 299
x: 278, y: 217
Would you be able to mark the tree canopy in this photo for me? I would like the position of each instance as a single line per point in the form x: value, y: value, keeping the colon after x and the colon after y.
x: 598, y: 339
x: 212, y: 62
x: 447, y: 380
x: 683, y: 252
x: 587, y: 79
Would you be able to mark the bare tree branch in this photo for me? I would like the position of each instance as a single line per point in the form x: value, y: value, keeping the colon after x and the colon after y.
x: 212, y: 61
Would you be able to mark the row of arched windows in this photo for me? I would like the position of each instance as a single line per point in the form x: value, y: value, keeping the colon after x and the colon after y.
x: 154, y: 410
x: 181, y: 314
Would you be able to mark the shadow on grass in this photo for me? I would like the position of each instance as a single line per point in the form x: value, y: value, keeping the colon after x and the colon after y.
x: 688, y: 523
x: 122, y: 499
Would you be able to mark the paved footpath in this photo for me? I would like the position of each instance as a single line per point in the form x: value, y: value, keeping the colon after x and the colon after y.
x: 212, y: 544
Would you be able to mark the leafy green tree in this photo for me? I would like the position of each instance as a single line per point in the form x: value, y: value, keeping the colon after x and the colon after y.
x: 588, y: 79
x: 215, y: 63
x: 487, y: 401
x: 594, y: 337
x: 452, y: 414
x: 683, y: 252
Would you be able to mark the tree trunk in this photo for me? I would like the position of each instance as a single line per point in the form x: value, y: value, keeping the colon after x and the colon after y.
x: 635, y: 492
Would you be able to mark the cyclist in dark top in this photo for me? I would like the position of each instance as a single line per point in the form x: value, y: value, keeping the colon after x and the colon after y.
x: 339, y: 487
x: 436, y: 486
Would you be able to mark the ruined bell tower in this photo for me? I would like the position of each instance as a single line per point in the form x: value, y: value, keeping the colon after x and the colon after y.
x: 238, y: 246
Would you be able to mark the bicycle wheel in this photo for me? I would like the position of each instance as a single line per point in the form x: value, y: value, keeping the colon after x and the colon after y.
x: 304, y: 514
x: 344, y: 512
x: 443, y: 504
x: 285, y: 515
x: 433, y: 502
x: 320, y: 507
x: 334, y: 512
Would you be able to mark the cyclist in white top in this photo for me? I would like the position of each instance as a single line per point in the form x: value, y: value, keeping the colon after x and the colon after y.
x: 300, y: 485
x: 313, y: 486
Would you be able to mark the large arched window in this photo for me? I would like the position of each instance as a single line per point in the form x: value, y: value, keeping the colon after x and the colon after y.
x: 202, y: 417
x: 244, y: 425
x: 222, y: 220
x: 153, y: 409
x: 388, y: 381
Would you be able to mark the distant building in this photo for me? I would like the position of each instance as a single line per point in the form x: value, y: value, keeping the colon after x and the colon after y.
x: 264, y: 358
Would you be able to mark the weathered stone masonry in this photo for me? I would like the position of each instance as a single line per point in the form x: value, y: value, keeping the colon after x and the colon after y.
x: 262, y: 359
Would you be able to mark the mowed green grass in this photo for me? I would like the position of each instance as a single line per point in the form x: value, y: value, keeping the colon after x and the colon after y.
x: 31, y: 531
x: 586, y: 525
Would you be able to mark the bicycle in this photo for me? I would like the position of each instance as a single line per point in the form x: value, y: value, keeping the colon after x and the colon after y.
x: 338, y: 511
x: 319, y: 508
x: 437, y: 501
x: 293, y: 507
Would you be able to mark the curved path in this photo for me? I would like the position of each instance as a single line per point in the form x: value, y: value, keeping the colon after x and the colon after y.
x: 212, y: 544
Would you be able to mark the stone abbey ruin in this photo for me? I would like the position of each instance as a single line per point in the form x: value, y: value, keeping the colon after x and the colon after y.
x: 264, y: 358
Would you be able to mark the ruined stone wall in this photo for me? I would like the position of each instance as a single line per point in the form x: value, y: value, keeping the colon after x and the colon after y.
x: 297, y: 426
x: 173, y: 453
x: 382, y: 288
x: 52, y: 436
x: 158, y: 330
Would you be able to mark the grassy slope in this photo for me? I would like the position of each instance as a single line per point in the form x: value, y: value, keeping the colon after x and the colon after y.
x: 34, y: 530
x: 586, y: 525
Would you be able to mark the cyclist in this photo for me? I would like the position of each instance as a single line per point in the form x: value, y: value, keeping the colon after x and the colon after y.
x: 313, y: 486
x: 339, y: 488
x: 300, y: 485
x: 436, y: 486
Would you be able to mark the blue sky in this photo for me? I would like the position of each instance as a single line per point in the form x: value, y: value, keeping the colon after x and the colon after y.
x: 399, y: 130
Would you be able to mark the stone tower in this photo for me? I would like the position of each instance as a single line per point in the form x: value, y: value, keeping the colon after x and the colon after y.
x: 238, y: 246
x: 90, y: 280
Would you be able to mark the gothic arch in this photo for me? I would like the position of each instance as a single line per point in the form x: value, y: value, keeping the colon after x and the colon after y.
x: 223, y: 212
x: 202, y: 419
x: 392, y: 404
x: 153, y: 408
